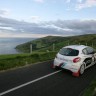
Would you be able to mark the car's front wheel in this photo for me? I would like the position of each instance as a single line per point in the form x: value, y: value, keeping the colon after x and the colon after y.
x: 82, y: 69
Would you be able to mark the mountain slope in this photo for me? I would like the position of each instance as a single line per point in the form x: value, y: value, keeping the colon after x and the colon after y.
x: 46, y: 43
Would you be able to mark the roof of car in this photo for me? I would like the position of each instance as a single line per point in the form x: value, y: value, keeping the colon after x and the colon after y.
x: 77, y: 47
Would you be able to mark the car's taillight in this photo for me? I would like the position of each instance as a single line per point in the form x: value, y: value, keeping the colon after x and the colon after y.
x: 75, y: 60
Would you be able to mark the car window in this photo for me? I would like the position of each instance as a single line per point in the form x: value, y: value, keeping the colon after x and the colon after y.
x: 90, y: 50
x: 69, y: 52
x: 85, y: 51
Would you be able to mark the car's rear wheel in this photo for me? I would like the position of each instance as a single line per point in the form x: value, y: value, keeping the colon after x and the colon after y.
x: 82, y: 69
x: 55, y: 67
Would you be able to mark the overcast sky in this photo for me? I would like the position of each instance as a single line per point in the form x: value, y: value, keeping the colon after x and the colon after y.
x: 39, y: 18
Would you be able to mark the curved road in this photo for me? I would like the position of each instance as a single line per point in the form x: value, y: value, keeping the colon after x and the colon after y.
x: 42, y: 80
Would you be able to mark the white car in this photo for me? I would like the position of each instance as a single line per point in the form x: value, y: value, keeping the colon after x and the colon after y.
x: 75, y: 58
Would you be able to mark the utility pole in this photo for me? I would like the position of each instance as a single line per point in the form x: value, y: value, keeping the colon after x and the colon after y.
x: 30, y: 48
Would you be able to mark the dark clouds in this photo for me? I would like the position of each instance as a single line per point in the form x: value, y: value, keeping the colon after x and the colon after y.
x: 60, y: 27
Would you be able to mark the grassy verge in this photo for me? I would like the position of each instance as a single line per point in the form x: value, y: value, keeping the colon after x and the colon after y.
x: 91, y: 90
x: 17, y: 60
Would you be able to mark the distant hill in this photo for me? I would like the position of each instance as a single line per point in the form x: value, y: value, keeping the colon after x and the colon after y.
x: 46, y: 43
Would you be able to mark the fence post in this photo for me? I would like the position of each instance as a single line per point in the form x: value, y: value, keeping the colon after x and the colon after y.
x: 53, y: 47
x: 68, y: 42
x: 31, y: 48
x: 86, y: 44
x: 92, y: 44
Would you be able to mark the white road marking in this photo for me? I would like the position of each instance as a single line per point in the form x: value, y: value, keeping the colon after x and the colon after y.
x: 30, y: 82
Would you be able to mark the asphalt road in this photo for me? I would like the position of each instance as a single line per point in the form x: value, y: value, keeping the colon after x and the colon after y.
x: 42, y: 80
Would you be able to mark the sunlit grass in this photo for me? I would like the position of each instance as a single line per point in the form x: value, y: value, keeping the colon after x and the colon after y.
x: 91, y: 90
x: 16, y: 60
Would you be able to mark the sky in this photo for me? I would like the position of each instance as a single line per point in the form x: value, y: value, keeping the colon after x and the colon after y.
x: 40, y: 18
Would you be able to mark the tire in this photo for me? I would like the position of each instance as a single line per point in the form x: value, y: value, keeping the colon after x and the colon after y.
x: 57, y: 68
x: 82, y: 69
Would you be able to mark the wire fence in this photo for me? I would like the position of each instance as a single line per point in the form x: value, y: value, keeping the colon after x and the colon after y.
x: 55, y: 47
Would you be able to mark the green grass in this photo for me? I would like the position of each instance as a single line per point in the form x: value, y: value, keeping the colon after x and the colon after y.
x: 46, y: 43
x: 91, y: 90
x: 17, y: 60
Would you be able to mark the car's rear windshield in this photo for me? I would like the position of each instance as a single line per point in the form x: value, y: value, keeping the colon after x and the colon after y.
x: 69, y: 52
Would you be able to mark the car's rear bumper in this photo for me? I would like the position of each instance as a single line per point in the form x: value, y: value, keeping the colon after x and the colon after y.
x: 71, y: 67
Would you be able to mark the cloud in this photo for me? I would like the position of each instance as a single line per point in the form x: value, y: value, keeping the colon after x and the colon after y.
x: 86, y: 4
x: 68, y: 1
x: 14, y: 28
x: 80, y: 1
x: 25, y: 35
x: 4, y: 12
x: 39, y: 1
x: 73, y: 27
x: 7, y: 28
x: 35, y: 18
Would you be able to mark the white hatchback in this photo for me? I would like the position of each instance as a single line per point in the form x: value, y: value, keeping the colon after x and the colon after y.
x: 75, y: 58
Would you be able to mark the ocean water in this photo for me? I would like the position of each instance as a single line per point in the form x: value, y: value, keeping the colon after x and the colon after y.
x: 7, y: 45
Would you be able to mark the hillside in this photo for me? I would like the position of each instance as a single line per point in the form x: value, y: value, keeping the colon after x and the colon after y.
x: 46, y: 43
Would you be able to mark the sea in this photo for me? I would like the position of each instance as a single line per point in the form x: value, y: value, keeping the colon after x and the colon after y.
x: 7, y: 45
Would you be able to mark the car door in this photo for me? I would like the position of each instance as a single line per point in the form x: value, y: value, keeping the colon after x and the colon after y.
x: 92, y: 52
x: 88, y: 54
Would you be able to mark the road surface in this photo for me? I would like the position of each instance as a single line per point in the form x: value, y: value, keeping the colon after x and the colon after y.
x: 42, y: 80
